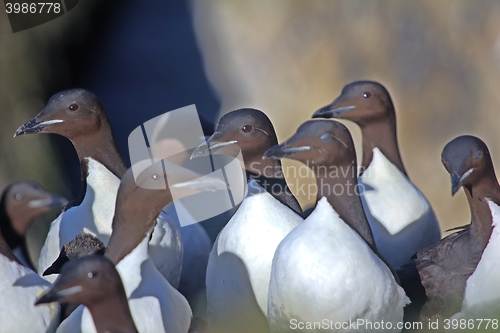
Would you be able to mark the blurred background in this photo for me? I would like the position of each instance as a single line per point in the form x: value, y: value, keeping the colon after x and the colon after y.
x: 440, y: 60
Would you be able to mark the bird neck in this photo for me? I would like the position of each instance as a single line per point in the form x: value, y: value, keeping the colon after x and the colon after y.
x: 12, y: 238
x: 268, y: 173
x: 101, y: 147
x: 481, y: 215
x: 6, y: 251
x: 135, y: 217
x: 118, y: 320
x: 128, y: 237
x: 382, y: 135
x: 267, y: 167
x: 340, y: 187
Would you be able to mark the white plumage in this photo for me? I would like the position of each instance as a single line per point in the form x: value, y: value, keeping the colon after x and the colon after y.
x: 324, y: 270
x: 400, y: 216
x: 239, y: 266
x: 197, y: 246
x: 155, y: 305
x: 20, y: 287
x: 95, y: 216
x: 482, y: 295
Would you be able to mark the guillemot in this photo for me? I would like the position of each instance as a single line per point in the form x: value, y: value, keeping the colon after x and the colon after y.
x: 456, y: 273
x: 249, y: 130
x: 81, y: 246
x: 239, y: 266
x: 79, y: 116
x: 94, y: 282
x: 329, y: 266
x: 155, y: 305
x: 400, y: 216
x: 20, y: 204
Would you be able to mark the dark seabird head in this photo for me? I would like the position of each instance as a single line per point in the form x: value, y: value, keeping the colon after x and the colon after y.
x: 84, y: 281
x: 323, y: 142
x: 249, y: 129
x: 327, y: 148
x: 362, y: 102
x: 23, y: 201
x: 94, y: 282
x: 79, y: 116
x: 468, y: 161
x: 20, y: 204
x: 79, y: 110
x: 81, y: 246
x: 251, y: 133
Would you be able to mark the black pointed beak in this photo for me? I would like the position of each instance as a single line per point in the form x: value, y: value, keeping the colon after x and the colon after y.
x: 53, y: 269
x: 49, y: 297
x: 455, y: 184
x: 458, y: 181
x: 29, y: 127
x: 57, y: 265
x: 33, y: 126
x: 281, y: 151
x: 276, y: 152
x: 201, y: 150
x: 209, y: 147
x: 330, y: 111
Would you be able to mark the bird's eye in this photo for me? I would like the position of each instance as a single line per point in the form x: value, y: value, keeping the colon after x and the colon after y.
x: 90, y: 275
x: 478, y: 153
x: 18, y: 196
x: 73, y: 107
x: 325, y: 136
x: 367, y: 95
x: 247, y: 128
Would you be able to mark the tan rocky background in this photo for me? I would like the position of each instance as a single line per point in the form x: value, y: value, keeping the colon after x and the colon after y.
x: 440, y: 60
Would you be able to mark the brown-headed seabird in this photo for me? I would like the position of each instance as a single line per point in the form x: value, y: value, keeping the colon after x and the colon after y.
x: 437, y: 276
x: 400, y: 216
x: 239, y: 266
x: 329, y: 266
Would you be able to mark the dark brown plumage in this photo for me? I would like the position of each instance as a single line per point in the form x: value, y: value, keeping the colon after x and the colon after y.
x: 79, y: 116
x: 435, y: 278
x: 253, y: 133
x: 94, y: 282
x: 81, y: 246
x: 20, y: 204
x: 323, y: 144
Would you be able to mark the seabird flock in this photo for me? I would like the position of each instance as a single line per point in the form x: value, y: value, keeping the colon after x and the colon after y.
x: 368, y: 257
